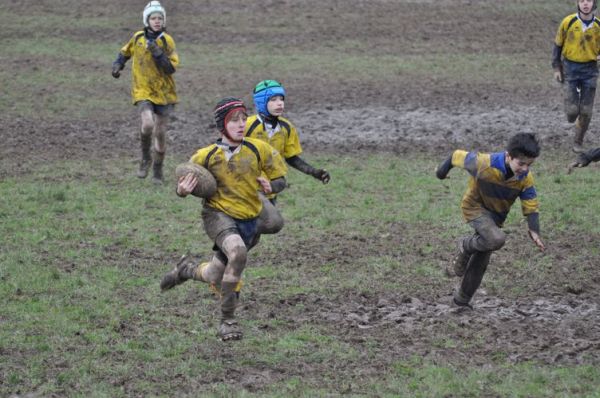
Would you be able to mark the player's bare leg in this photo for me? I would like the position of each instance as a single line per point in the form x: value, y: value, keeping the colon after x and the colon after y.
x: 146, y: 142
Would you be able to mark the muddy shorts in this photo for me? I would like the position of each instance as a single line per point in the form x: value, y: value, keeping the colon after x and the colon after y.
x: 581, y: 74
x: 162, y: 110
x: 219, y: 225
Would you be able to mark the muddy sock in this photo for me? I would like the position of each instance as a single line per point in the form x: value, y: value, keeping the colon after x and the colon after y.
x: 146, y: 161
x: 461, y: 298
x: 189, y: 271
x: 157, y: 166
x: 581, y: 126
x: 474, y: 274
x: 229, y: 299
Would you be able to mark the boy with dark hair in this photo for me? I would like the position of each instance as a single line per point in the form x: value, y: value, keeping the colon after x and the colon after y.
x: 153, y: 86
x: 577, y: 42
x: 496, y: 181
x: 241, y: 166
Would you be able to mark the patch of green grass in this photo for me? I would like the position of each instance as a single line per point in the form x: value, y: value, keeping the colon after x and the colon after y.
x: 524, y: 380
x: 82, y: 257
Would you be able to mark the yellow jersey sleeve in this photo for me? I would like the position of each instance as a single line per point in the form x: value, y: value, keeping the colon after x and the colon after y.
x: 272, y: 164
x: 291, y: 145
x: 127, y: 49
x: 470, y: 161
x: 561, y: 33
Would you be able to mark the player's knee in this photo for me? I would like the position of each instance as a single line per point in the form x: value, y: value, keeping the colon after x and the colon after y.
x: 274, y: 224
x: 587, y: 96
x: 237, y: 258
x: 147, y: 127
x: 572, y: 111
x: 236, y: 252
x: 161, y: 123
x: 495, y: 240
x: 585, y: 114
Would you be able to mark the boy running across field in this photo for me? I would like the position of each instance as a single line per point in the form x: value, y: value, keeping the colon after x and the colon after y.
x: 270, y: 126
x: 496, y: 181
x: 241, y: 166
x: 577, y: 42
x: 153, y: 86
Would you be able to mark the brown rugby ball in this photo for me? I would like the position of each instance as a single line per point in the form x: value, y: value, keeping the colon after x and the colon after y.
x: 207, y: 185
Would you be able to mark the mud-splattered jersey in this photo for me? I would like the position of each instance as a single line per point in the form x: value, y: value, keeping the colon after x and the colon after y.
x: 284, y: 137
x: 148, y: 81
x: 580, y: 43
x: 236, y: 173
x: 490, y: 190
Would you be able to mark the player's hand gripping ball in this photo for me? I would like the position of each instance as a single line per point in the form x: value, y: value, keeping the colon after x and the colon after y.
x: 207, y: 185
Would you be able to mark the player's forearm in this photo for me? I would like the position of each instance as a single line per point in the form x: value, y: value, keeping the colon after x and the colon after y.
x: 444, y: 168
x: 556, y: 53
x: 533, y: 222
x: 593, y: 155
x: 164, y: 63
x: 121, y: 60
x: 300, y: 165
x: 278, y: 185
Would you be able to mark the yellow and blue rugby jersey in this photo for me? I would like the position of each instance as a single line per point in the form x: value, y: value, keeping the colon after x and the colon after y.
x: 488, y: 188
x: 149, y: 82
x: 237, y: 188
x: 579, y: 44
x: 286, y: 140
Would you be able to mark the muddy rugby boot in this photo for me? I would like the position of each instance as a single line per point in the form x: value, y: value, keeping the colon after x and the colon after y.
x: 460, y: 261
x: 229, y: 329
x: 157, y: 176
x: 157, y: 168
x: 578, y: 139
x: 461, y: 301
x: 144, y: 167
x: 184, y: 270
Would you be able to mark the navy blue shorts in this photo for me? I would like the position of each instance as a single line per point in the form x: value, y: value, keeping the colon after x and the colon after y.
x: 162, y: 110
x: 581, y: 74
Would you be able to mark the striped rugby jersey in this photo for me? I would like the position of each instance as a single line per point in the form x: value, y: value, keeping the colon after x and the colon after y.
x: 490, y: 190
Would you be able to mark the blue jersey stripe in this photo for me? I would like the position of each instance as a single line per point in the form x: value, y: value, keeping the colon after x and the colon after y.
x: 498, y: 161
x: 496, y: 191
x: 528, y: 194
x: 471, y: 163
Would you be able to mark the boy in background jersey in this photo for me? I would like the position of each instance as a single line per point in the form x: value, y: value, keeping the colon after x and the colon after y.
x: 577, y: 42
x: 496, y: 181
x: 270, y: 126
x: 153, y: 86
x: 241, y: 167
